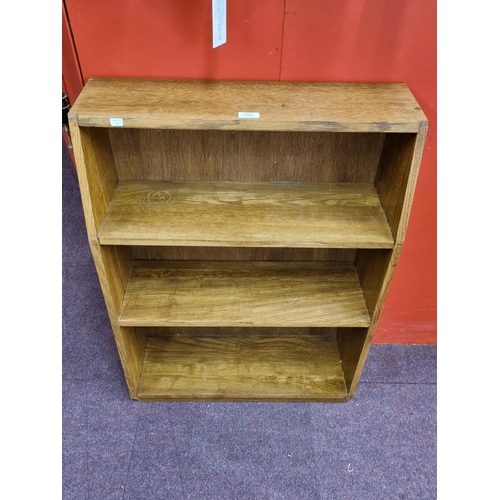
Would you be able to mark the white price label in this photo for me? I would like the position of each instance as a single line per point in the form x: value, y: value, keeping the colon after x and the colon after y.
x: 248, y: 114
x: 116, y: 122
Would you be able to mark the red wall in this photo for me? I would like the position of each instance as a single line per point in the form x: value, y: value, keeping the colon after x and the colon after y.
x: 302, y: 40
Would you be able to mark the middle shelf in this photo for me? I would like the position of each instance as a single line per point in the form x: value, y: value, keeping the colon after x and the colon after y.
x: 237, y: 214
x: 260, y: 294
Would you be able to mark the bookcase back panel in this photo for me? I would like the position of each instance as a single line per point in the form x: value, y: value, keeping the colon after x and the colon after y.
x: 214, y: 155
x: 255, y: 254
x: 235, y: 331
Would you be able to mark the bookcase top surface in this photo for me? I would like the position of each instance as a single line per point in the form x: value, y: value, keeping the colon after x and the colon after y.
x: 243, y: 105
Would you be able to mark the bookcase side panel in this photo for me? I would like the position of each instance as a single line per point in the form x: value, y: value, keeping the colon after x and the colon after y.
x: 396, y: 177
x: 350, y: 342
x: 96, y: 173
x: 113, y: 265
x: 97, y: 179
x: 412, y: 182
x: 375, y: 271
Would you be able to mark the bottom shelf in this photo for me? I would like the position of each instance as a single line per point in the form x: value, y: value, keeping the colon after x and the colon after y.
x: 253, y: 367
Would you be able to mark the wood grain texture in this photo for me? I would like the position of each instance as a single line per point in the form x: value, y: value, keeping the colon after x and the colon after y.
x: 243, y: 368
x: 284, y: 106
x: 397, y: 177
x: 97, y: 178
x: 411, y: 183
x: 113, y: 266
x: 96, y: 173
x: 240, y: 253
x: 264, y: 294
x: 350, y: 343
x: 395, y: 182
x: 375, y: 271
x: 245, y: 215
x: 233, y: 331
x: 241, y: 156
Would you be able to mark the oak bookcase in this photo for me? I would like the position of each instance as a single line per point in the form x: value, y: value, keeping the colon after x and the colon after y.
x: 245, y: 233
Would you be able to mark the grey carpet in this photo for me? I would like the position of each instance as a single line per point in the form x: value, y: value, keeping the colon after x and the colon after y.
x: 380, y: 445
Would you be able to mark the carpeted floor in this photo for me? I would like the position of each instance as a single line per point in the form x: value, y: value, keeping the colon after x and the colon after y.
x: 380, y: 445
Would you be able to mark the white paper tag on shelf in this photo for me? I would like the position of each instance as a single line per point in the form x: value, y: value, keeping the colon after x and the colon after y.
x: 116, y: 122
x: 248, y: 114
x: 218, y: 22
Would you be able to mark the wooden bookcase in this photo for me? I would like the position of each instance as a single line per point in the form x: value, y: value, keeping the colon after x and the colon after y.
x: 245, y: 257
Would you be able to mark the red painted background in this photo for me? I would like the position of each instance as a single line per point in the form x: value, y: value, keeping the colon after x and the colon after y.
x: 289, y: 40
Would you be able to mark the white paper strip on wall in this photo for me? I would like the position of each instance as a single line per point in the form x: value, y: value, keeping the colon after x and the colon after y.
x: 218, y: 22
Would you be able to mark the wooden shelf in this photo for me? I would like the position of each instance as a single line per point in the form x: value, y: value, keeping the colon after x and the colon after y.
x: 263, y: 294
x: 249, y: 368
x: 245, y: 215
x: 283, y: 106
